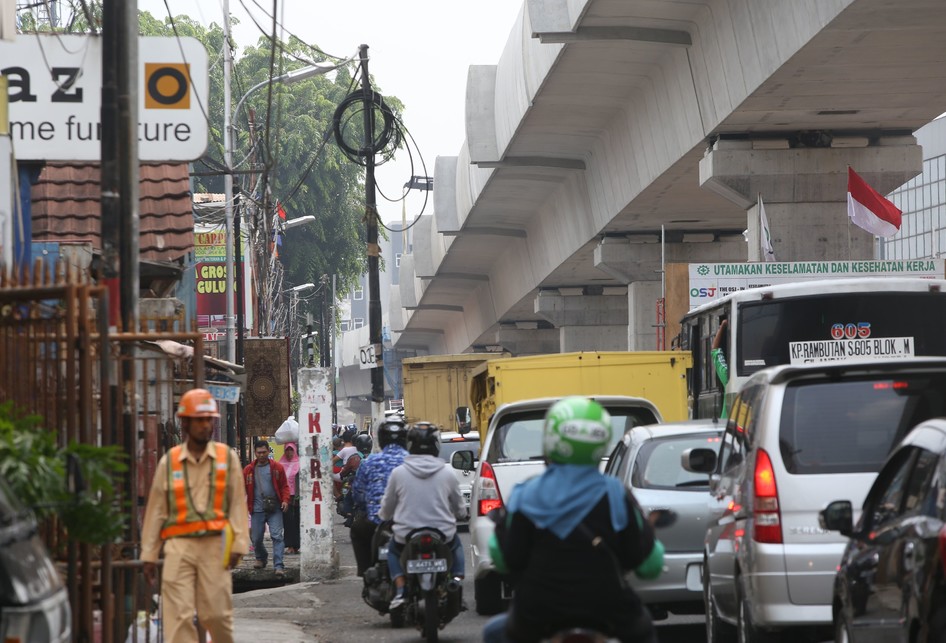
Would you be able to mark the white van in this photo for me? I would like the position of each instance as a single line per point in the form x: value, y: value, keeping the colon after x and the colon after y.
x: 797, y: 438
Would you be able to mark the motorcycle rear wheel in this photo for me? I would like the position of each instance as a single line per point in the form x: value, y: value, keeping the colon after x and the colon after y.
x: 431, y: 618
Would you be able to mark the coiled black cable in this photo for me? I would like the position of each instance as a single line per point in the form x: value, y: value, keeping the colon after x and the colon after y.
x: 389, y: 136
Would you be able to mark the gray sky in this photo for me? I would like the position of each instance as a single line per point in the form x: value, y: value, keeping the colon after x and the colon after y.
x: 419, y: 51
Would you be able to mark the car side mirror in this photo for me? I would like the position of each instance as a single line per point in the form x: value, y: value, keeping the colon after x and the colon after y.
x: 463, y: 460
x: 699, y: 460
x: 464, y: 420
x: 838, y: 516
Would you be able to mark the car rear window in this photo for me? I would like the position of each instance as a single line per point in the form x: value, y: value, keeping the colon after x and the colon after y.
x: 850, y: 426
x: 658, y: 465
x: 449, y: 447
x: 519, y: 437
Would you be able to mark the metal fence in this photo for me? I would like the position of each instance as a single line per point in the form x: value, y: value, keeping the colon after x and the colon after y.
x: 90, y: 384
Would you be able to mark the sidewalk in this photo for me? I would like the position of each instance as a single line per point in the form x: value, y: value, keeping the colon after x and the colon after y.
x: 279, y: 610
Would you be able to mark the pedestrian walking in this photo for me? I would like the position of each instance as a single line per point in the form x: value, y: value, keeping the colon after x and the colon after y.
x: 267, y: 493
x: 290, y: 463
x: 195, y: 505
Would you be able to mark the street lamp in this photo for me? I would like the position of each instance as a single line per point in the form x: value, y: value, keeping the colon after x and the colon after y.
x: 228, y: 132
x: 298, y: 221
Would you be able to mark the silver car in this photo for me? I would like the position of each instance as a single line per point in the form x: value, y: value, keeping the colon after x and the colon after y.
x: 648, y: 460
x: 512, y: 453
x: 797, y: 438
x: 452, y: 443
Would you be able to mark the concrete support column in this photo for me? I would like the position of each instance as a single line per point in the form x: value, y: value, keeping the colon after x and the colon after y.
x: 526, y: 338
x: 804, y: 189
x: 636, y: 260
x: 588, y: 319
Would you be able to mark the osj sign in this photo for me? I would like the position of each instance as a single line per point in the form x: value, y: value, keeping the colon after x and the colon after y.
x: 368, y: 356
x: 55, y: 97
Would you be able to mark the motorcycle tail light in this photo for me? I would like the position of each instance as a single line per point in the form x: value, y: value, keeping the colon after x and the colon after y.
x: 427, y: 555
x: 426, y: 540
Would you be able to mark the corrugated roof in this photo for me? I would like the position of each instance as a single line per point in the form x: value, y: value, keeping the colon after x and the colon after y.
x: 66, y: 207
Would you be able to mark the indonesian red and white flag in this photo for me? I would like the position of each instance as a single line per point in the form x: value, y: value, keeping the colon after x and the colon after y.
x: 868, y: 209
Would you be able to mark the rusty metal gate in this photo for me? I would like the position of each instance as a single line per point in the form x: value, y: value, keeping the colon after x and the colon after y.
x: 90, y: 384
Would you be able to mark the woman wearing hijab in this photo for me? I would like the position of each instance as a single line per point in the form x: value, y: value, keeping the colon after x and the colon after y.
x: 569, y: 537
x: 290, y: 462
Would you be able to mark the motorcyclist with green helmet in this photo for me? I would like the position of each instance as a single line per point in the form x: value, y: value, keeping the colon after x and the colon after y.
x: 568, y: 537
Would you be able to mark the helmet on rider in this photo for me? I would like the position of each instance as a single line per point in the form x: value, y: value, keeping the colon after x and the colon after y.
x: 392, y: 431
x: 363, y: 443
x: 197, y: 403
x: 423, y: 438
x: 577, y: 431
x: 349, y: 436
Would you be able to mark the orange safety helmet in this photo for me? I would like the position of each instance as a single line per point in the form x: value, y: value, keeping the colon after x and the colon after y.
x: 198, y: 403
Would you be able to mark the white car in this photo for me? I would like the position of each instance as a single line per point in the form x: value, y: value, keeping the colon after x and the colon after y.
x: 512, y: 453
x: 452, y: 443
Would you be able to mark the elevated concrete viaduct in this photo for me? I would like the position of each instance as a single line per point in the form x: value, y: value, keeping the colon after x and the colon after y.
x: 607, y: 120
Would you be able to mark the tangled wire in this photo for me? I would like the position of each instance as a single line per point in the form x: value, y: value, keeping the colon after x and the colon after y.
x: 383, y: 142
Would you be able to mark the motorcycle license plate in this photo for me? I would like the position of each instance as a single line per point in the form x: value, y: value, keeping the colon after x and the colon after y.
x: 415, y: 566
x: 382, y: 553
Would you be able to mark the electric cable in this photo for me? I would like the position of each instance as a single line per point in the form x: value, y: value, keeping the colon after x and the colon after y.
x: 389, y: 133
x: 263, y: 31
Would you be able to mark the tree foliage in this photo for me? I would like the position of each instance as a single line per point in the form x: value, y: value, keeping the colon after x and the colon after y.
x: 299, y: 162
x: 36, y: 469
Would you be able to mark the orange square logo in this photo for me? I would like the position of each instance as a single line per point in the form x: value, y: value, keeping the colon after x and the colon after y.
x: 167, y: 86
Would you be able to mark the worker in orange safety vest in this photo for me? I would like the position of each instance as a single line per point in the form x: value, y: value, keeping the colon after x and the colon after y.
x: 197, y: 510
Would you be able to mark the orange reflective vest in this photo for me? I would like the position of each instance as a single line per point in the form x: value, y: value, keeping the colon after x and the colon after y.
x: 183, y: 518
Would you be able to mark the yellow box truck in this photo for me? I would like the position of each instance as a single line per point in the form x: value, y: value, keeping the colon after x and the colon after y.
x: 659, y: 376
x: 436, y: 385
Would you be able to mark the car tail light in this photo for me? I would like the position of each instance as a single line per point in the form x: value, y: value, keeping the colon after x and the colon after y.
x: 489, y: 497
x: 767, y: 521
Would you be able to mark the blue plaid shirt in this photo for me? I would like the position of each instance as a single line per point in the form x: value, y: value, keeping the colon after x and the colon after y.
x: 372, y: 478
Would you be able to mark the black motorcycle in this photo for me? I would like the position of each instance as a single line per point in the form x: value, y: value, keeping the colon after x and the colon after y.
x: 378, y: 587
x: 433, y: 596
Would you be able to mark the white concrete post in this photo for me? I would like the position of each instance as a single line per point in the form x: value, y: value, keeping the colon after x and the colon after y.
x: 318, y: 556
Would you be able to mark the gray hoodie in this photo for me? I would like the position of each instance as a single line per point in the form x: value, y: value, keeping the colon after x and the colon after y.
x: 422, y: 492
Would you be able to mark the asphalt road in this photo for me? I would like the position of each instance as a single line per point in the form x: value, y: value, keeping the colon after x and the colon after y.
x: 332, y: 611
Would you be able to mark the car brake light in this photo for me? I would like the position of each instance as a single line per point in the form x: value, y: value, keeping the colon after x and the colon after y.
x: 767, y: 521
x: 489, y: 497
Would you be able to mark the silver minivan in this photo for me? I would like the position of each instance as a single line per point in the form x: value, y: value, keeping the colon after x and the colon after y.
x: 798, y: 437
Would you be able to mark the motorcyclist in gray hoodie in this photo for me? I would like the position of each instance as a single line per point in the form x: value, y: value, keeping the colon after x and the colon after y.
x: 422, y: 492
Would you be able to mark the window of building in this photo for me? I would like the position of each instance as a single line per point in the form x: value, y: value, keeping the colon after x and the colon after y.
x: 359, y: 295
x: 397, y: 260
x: 358, y: 322
x: 345, y: 325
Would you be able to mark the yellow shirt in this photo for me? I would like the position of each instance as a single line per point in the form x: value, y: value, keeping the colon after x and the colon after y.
x: 198, y: 476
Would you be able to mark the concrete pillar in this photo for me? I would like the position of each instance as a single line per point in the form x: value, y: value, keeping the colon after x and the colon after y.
x: 804, y: 189
x: 526, y: 338
x: 318, y: 555
x: 588, y: 319
x: 642, y: 299
x: 636, y: 260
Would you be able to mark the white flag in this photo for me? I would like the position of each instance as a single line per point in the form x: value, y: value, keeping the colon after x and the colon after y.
x: 765, y: 237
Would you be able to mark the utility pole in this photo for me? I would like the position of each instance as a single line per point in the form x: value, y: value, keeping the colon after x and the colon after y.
x: 374, y: 250
x: 228, y: 215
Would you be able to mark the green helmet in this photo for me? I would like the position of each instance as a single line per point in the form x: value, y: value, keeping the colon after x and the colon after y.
x: 577, y: 431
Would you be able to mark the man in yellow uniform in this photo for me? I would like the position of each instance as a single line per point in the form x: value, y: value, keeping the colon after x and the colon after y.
x: 197, y: 502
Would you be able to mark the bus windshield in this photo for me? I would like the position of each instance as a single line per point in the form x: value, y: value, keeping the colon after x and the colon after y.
x: 805, y: 329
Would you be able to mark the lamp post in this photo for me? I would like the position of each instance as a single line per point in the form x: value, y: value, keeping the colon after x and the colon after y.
x: 229, y: 131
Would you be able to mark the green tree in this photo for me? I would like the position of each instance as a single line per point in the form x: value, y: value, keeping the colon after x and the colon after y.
x: 38, y: 471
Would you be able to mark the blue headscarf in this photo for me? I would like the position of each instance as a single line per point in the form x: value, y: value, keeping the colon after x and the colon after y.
x: 560, y: 498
